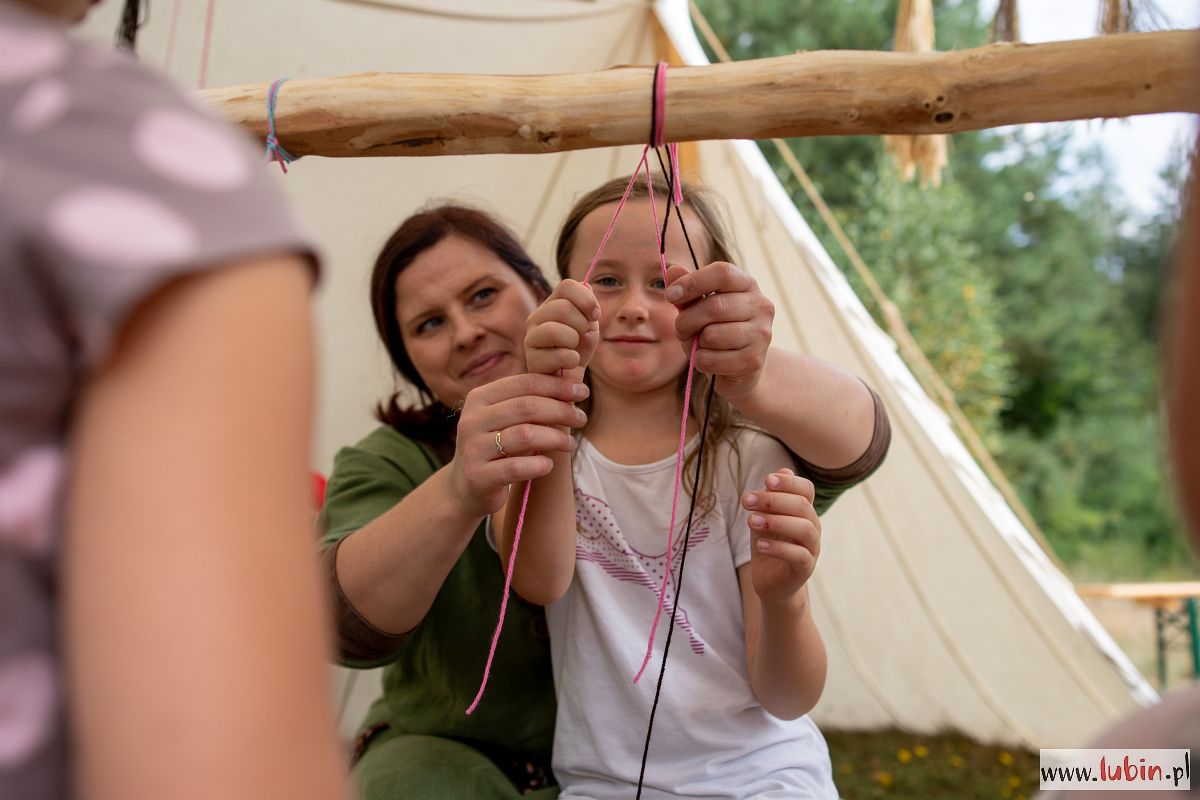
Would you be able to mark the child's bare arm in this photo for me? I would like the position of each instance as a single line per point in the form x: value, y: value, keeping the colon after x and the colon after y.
x: 785, y: 655
x: 560, y: 336
x: 188, y: 559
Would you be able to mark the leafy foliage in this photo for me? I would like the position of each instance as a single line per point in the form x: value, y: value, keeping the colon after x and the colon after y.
x: 1027, y: 281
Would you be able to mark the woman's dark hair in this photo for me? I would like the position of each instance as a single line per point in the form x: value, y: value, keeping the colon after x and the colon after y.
x: 432, y: 421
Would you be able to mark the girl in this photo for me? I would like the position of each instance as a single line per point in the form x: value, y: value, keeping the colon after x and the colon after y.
x: 731, y: 719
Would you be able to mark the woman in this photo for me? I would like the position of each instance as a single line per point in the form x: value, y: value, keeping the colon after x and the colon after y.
x: 416, y: 582
x: 159, y: 611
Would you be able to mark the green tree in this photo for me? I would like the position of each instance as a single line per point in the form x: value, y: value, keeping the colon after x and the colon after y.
x: 1029, y: 285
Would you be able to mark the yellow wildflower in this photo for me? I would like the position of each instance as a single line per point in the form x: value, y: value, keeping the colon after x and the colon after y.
x: 956, y: 760
x: 1014, y: 781
x: 904, y: 755
x: 884, y: 779
x: 921, y: 751
x: 1005, y: 758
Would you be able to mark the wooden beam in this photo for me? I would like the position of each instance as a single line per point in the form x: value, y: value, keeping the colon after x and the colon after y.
x: 827, y: 93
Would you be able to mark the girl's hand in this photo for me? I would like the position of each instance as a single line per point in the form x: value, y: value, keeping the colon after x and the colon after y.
x: 724, y: 307
x: 561, y: 334
x: 785, y: 536
x: 531, y: 414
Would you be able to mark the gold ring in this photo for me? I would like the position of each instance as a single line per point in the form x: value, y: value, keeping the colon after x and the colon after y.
x: 500, y: 447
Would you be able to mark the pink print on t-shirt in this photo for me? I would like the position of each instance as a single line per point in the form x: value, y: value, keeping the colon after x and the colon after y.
x: 601, y: 542
x: 28, y: 701
x: 29, y: 489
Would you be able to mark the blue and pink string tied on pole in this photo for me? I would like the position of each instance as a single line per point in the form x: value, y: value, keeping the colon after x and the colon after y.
x: 275, y: 151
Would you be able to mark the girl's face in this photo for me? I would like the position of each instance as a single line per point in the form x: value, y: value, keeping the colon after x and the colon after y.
x: 462, y: 311
x: 638, y: 351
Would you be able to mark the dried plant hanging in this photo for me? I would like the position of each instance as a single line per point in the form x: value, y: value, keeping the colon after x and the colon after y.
x: 927, y: 153
x: 1126, y: 16
x: 1006, y: 25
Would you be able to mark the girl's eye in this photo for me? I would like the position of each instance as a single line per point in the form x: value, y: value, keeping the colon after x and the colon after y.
x: 658, y: 284
x: 607, y: 281
x: 429, y: 325
x: 483, y: 295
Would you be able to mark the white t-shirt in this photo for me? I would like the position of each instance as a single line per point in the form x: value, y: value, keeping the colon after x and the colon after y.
x: 711, y: 737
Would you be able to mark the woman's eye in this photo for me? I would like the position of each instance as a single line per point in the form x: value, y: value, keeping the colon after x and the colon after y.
x: 607, y: 281
x: 428, y: 325
x: 483, y: 295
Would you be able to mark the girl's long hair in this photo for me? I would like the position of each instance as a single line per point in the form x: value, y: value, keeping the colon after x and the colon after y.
x: 713, y: 243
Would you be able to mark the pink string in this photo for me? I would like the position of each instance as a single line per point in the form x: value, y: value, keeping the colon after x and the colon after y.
x: 660, y: 87
x: 660, y: 235
x: 208, y: 29
x: 613, y: 222
x: 512, y: 562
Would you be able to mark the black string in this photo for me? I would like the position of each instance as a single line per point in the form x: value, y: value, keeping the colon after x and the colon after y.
x: 654, y: 110
x: 662, y: 245
x: 662, y: 670
x: 671, y: 177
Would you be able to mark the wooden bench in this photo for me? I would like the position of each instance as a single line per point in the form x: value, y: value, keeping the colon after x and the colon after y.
x: 1175, y: 615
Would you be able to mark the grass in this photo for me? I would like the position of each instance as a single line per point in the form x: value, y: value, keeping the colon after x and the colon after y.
x: 894, y: 764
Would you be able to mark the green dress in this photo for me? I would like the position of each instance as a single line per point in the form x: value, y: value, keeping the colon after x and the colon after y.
x: 419, y: 742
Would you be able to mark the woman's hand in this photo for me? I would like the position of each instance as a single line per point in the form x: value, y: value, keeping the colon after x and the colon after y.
x: 785, y: 536
x: 504, y: 431
x: 562, y: 333
x: 724, y: 307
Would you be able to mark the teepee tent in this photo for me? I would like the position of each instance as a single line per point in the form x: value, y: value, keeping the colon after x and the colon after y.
x: 939, y: 609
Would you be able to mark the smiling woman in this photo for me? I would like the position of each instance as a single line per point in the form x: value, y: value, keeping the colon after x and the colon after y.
x: 415, y: 582
x: 457, y: 305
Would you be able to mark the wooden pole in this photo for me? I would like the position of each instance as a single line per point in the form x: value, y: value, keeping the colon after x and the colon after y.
x: 827, y: 93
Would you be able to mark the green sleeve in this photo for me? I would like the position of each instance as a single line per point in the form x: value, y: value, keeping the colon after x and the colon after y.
x: 830, y: 484
x: 368, y: 479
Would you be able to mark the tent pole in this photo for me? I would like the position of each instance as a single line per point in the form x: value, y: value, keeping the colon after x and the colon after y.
x: 827, y: 93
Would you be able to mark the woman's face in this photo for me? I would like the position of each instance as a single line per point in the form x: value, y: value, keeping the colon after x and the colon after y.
x: 462, y: 311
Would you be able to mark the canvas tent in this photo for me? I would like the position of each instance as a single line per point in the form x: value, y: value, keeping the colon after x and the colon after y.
x: 938, y: 608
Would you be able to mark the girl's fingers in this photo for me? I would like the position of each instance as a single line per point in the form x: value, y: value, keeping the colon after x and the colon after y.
x: 799, y: 558
x: 785, y: 480
x: 780, y: 503
x: 548, y: 361
x: 553, y: 333
x: 571, y: 303
x: 792, y: 530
